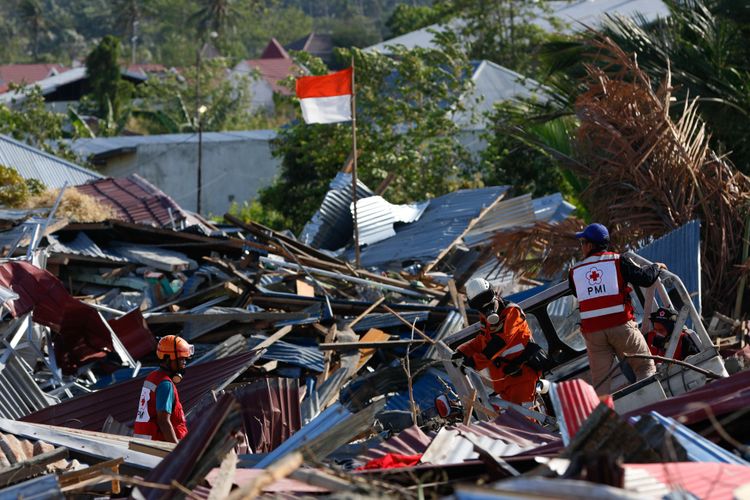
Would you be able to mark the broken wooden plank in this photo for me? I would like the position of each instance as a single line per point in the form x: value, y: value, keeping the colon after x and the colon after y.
x: 367, y: 311
x: 304, y: 289
x: 93, y: 474
x: 31, y: 467
x: 350, y: 346
x: 273, y: 338
x: 240, y: 317
x: 372, y: 335
x: 458, y: 301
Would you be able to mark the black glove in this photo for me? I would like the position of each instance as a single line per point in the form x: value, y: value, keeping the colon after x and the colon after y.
x: 463, y: 359
x: 511, y: 368
x: 659, y: 341
x: 495, y: 345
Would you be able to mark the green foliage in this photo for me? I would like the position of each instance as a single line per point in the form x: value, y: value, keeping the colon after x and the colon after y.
x: 170, y: 104
x: 406, y: 18
x: 403, y: 127
x: 103, y: 69
x: 31, y: 122
x: 256, y: 212
x: 13, y: 189
x: 504, y: 31
x: 35, y: 187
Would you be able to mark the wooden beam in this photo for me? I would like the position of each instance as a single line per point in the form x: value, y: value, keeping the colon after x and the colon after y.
x: 35, y: 465
x: 458, y: 301
x: 350, y: 346
x: 367, y: 311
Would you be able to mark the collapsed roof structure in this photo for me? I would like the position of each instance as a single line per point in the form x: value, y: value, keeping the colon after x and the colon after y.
x: 313, y: 377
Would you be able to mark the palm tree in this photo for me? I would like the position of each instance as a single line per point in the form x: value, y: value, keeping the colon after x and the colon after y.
x: 31, y: 14
x: 215, y: 15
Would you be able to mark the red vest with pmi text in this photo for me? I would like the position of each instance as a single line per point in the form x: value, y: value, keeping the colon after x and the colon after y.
x: 603, y: 299
x: 145, y: 421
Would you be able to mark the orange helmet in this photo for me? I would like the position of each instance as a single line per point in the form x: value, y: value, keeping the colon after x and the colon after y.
x: 174, y: 347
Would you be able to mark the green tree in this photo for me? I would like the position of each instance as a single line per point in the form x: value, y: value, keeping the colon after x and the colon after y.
x: 103, y: 69
x: 32, y: 16
x: 406, y: 18
x: 31, y: 122
x: 404, y: 127
x: 13, y: 189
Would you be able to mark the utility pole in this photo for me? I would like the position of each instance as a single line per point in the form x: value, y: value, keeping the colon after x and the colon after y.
x: 201, y: 111
x: 134, y: 42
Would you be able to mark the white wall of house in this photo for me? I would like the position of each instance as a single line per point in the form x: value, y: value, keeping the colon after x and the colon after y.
x: 233, y: 170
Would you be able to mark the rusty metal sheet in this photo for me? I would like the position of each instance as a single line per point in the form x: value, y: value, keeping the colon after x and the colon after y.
x: 271, y: 412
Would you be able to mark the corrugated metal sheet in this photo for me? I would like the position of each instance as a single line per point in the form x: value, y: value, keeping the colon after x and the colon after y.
x: 425, y: 388
x: 82, y: 245
x: 33, y: 163
x: 452, y: 323
x: 698, y: 448
x: 376, y: 217
x: 699, y: 480
x: 573, y: 400
x: 271, y: 411
x: 328, y: 419
x: 722, y: 396
x: 451, y: 446
x: 552, y: 208
x: 410, y: 441
x: 511, y: 426
x: 292, y: 354
x: 136, y: 200
x: 19, y: 393
x: 331, y: 227
x: 40, y: 488
x: 444, y: 220
x: 680, y: 251
x: 111, y: 145
x: 210, y: 352
x: 388, y: 320
x: 121, y: 400
x: 507, y: 214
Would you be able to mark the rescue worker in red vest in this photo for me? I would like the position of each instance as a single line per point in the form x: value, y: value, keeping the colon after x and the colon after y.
x: 503, y: 345
x: 160, y: 416
x: 663, y: 320
x: 600, y: 281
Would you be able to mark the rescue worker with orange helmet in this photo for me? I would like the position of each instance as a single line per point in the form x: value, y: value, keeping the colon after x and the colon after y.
x: 160, y: 416
x: 503, y: 345
x: 663, y: 321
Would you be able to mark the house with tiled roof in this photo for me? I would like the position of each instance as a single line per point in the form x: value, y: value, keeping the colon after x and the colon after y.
x: 317, y: 44
x: 265, y: 74
x: 27, y: 73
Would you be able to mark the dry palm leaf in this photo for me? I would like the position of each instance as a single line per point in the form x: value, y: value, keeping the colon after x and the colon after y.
x: 646, y: 175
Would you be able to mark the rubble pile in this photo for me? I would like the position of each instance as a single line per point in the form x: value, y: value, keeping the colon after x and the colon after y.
x: 313, y: 376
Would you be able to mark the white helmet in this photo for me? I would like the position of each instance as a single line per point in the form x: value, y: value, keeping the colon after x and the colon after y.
x: 479, y: 292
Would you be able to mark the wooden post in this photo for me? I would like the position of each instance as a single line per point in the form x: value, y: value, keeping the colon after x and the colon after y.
x: 354, y: 167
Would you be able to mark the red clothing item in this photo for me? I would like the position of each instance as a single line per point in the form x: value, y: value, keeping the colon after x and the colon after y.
x: 146, y: 423
x: 392, y: 461
x: 685, y: 345
x: 603, y: 295
x: 516, y: 334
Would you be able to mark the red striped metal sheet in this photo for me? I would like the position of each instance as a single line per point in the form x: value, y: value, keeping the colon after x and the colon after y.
x: 702, y: 479
x: 573, y: 400
x: 270, y: 409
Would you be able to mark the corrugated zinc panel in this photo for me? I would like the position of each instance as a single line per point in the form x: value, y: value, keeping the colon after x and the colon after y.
x: 19, y: 393
x: 507, y: 214
x: 32, y: 163
x: 444, y: 221
x: 680, y: 250
x: 292, y: 354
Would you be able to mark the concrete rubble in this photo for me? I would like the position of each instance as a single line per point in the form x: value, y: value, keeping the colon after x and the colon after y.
x: 313, y: 377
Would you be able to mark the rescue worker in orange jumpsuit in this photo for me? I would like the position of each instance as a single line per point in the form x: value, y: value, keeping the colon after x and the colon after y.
x: 663, y: 320
x: 160, y: 416
x: 503, y: 345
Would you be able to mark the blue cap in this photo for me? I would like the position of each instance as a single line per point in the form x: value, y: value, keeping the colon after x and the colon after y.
x: 595, y: 233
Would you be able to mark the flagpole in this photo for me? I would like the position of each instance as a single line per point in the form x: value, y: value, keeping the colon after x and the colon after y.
x: 354, y: 167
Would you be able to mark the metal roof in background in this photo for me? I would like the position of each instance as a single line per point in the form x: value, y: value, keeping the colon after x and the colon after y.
x: 107, y: 146
x: 444, y: 221
x: 388, y: 320
x: 33, y: 163
x: 552, y: 208
x: 507, y: 214
x: 680, y: 250
x: 121, y: 400
x: 331, y: 227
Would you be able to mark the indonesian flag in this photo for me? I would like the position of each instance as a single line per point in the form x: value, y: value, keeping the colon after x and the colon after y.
x: 326, y: 99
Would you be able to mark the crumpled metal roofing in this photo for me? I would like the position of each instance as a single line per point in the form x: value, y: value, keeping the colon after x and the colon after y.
x: 292, y: 354
x: 82, y: 245
x: 19, y: 392
x: 680, y: 251
x: 271, y: 411
x: 33, y: 163
x: 552, y: 208
x: 121, y: 400
x: 376, y: 217
x: 388, y: 320
x: 444, y: 220
x: 331, y: 227
x: 452, y: 446
x: 507, y: 214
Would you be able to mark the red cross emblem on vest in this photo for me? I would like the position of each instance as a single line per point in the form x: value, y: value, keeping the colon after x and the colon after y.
x: 594, y: 276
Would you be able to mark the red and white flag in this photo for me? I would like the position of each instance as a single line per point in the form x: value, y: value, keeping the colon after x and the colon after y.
x: 327, y: 98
